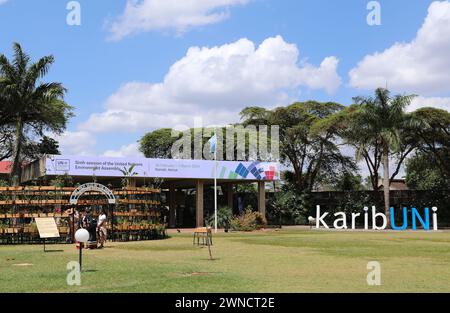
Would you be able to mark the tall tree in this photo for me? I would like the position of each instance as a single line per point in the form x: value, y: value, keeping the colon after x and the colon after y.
x: 384, y: 124
x: 28, y: 105
x: 308, y: 147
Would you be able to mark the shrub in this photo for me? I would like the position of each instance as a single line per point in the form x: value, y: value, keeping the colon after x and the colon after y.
x: 249, y: 221
x: 289, y: 207
x: 224, y: 216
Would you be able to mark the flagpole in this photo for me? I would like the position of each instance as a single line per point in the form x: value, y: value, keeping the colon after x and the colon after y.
x: 215, y: 184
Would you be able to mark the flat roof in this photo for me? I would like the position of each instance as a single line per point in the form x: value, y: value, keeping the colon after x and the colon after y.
x: 5, y: 167
x: 55, y: 165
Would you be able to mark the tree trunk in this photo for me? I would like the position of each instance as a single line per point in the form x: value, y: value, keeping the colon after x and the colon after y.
x: 386, y: 184
x: 17, y: 162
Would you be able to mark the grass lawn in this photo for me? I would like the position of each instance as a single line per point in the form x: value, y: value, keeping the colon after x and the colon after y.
x: 272, y: 261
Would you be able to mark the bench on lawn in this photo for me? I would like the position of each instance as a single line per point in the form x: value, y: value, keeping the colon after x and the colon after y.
x: 203, y: 233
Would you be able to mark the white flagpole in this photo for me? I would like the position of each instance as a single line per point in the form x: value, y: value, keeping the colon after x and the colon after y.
x: 215, y: 184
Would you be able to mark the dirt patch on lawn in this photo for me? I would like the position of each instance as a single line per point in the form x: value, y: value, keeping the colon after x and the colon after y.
x: 193, y: 274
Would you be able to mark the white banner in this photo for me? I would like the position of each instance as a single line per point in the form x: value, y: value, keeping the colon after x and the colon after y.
x: 162, y: 168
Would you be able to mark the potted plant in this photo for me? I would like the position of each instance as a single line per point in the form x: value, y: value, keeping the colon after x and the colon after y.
x: 3, y: 226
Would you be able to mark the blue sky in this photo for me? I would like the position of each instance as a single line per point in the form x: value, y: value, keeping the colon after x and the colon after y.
x: 126, y: 74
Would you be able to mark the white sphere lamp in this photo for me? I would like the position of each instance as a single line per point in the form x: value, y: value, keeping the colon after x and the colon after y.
x: 82, y: 235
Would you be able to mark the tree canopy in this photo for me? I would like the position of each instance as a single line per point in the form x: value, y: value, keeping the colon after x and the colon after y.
x: 380, y: 128
x: 307, y: 145
x: 423, y: 174
x: 157, y: 144
x: 312, y: 135
x: 434, y: 136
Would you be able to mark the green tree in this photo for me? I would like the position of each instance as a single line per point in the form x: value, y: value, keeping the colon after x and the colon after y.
x: 382, y: 124
x: 434, y: 136
x: 424, y: 173
x: 157, y: 144
x: 352, y: 127
x: 307, y: 145
x: 28, y: 105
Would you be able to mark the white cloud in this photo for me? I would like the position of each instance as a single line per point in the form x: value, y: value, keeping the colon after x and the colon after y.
x: 420, y: 66
x: 125, y: 151
x: 433, y: 102
x: 180, y: 16
x: 3, y: 1
x: 76, y: 143
x: 215, y: 83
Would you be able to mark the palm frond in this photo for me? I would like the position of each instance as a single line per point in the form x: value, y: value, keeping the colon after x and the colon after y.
x: 47, y: 92
x: 21, y: 59
x: 39, y: 69
x: 6, y: 68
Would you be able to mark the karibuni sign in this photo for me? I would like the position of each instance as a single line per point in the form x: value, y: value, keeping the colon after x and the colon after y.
x: 377, y: 219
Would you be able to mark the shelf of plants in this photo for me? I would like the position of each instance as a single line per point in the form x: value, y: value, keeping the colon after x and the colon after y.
x: 136, y: 216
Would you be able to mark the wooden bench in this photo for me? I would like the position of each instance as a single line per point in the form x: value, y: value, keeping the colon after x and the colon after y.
x: 203, y: 233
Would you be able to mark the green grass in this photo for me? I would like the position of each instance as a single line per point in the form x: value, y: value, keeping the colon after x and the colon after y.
x: 273, y: 261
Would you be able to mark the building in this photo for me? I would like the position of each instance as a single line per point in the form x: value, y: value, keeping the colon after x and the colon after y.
x: 396, y: 184
x: 5, y: 169
x: 175, y: 176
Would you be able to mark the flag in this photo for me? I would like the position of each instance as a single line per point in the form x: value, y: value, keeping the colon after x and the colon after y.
x: 213, y: 144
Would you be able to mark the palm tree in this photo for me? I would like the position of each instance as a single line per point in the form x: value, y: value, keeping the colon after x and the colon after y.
x: 128, y: 173
x: 28, y: 105
x: 384, y: 118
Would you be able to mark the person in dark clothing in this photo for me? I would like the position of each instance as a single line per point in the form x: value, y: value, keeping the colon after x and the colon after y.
x: 90, y: 224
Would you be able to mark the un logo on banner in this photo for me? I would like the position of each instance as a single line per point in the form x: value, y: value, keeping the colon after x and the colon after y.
x: 62, y: 165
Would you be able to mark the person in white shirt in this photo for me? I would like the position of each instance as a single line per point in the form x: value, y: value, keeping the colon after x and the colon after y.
x: 101, y: 228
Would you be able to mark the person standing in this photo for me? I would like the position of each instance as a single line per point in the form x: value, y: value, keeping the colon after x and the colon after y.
x: 90, y: 225
x: 101, y: 228
x: 83, y: 219
x: 74, y: 218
